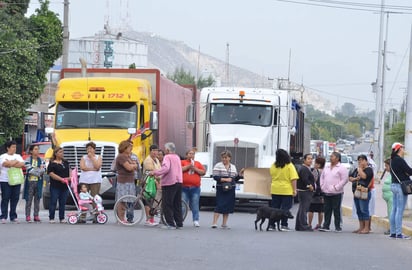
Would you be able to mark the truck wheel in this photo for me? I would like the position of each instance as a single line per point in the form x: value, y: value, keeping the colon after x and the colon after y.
x: 46, y: 201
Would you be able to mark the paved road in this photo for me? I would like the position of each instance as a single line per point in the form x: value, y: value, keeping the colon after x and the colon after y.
x: 113, y: 246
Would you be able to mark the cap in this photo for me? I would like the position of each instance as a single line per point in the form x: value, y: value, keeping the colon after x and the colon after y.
x: 153, y: 147
x: 396, y: 146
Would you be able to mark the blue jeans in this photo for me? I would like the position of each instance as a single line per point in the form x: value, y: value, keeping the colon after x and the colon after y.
x: 9, y: 194
x: 362, y: 208
x: 399, y: 202
x: 61, y: 196
x: 191, y: 195
x: 284, y: 202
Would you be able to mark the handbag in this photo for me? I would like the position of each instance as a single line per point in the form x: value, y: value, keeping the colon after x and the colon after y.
x: 226, y: 186
x: 361, y: 192
x: 406, y: 186
x: 150, y: 188
x: 317, y: 199
x: 16, y: 176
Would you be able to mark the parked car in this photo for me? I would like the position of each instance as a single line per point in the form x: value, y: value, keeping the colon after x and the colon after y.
x: 345, y: 161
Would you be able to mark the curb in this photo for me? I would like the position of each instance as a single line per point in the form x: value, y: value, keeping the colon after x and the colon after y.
x: 378, y: 221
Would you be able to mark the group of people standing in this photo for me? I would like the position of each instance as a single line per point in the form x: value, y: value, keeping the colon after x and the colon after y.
x: 320, y: 189
x: 59, y: 171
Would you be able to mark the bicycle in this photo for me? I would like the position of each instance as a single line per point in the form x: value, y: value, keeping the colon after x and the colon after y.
x: 132, y: 209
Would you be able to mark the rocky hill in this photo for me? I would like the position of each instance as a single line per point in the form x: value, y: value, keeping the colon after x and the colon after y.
x: 167, y: 55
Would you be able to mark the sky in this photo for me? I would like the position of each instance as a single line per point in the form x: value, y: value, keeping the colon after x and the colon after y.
x: 331, y: 51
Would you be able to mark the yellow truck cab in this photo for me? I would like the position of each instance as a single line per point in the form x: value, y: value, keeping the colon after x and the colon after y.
x: 102, y: 110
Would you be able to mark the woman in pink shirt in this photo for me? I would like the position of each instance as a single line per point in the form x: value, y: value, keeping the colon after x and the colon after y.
x: 172, y: 180
x: 332, y: 181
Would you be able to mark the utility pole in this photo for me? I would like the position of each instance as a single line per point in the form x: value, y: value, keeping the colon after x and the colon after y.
x: 379, y: 162
x: 408, y: 120
x: 66, y: 35
x: 378, y: 90
x: 227, y: 66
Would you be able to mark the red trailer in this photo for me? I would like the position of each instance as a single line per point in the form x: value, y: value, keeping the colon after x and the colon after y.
x: 173, y: 102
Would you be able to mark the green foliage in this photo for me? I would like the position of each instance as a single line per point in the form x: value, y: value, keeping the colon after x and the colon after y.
x: 348, y: 109
x: 132, y: 66
x: 28, y: 48
x: 202, y: 83
x: 396, y: 134
x: 331, y: 128
x: 180, y: 76
x: 13, y: 7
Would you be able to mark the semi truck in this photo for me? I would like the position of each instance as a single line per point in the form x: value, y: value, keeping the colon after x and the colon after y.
x: 107, y: 106
x: 252, y: 123
x: 173, y: 104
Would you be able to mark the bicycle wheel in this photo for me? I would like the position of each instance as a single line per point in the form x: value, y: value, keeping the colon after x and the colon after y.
x: 185, y: 209
x: 129, y: 210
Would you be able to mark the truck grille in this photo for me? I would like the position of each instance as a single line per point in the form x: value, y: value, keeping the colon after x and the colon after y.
x: 242, y: 157
x: 73, y: 154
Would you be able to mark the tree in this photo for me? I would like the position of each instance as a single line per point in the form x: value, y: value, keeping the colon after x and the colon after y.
x: 180, y: 76
x: 348, y: 109
x: 202, y: 83
x: 28, y: 48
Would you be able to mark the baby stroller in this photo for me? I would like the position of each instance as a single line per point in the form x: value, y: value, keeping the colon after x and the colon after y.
x: 83, y: 215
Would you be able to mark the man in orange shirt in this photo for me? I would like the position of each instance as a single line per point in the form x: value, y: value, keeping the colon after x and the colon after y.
x: 192, y: 171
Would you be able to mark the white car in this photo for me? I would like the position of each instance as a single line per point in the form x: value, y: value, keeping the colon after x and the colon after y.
x: 346, y: 161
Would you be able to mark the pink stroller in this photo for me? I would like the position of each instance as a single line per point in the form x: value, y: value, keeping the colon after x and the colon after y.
x: 83, y: 213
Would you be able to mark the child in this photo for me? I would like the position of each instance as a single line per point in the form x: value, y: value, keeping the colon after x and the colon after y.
x: 84, y: 196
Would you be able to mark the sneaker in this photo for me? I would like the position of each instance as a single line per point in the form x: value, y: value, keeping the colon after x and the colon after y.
x: 15, y: 221
x: 225, y: 227
x: 214, y: 226
x: 404, y: 237
x: 167, y: 227
x: 317, y: 227
x: 324, y: 229
x: 196, y: 223
x: 28, y: 219
x: 3, y: 221
x: 338, y: 230
x: 63, y: 221
x: 36, y: 219
x: 52, y: 221
x: 285, y: 229
x: 151, y: 223
x: 392, y: 236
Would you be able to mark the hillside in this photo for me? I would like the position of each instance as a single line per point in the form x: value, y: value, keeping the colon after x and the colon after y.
x: 167, y: 55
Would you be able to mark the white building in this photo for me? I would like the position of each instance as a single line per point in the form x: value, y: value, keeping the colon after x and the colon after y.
x: 107, y: 50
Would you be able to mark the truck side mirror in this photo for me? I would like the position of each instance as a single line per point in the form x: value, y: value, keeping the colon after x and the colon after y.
x: 154, y: 120
x: 190, y: 116
x: 292, y: 118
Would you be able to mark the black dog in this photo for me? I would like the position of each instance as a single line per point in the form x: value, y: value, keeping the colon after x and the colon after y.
x: 273, y: 214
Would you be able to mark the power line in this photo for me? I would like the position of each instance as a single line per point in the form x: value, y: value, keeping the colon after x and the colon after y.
x: 348, y: 6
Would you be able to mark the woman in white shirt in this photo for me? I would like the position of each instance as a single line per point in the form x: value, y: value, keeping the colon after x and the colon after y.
x: 90, y: 165
x: 9, y: 194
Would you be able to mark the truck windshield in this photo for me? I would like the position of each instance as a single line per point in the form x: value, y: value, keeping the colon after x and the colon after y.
x: 255, y: 115
x: 96, y: 115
